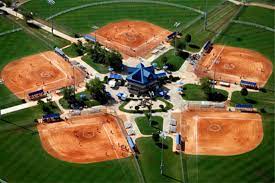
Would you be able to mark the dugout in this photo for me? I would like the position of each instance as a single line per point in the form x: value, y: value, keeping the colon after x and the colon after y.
x: 61, y: 53
x: 178, y: 142
x: 51, y: 118
x: 90, y: 38
x: 244, y: 107
x: 248, y: 84
x: 36, y: 95
x: 131, y: 143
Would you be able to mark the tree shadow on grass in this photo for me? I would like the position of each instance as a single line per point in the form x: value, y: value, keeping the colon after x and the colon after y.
x: 159, y: 144
x: 251, y: 101
x: 177, y: 180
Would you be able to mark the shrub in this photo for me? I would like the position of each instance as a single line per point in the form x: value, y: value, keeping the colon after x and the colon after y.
x: 244, y: 92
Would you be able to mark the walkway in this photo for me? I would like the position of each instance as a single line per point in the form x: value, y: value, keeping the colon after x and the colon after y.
x: 261, y: 5
x: 254, y: 24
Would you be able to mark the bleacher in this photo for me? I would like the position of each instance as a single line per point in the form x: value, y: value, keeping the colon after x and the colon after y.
x: 248, y: 84
x: 61, y: 53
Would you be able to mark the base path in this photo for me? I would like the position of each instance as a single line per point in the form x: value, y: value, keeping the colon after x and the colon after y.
x: 231, y: 64
x: 219, y: 132
x: 85, y: 139
x: 46, y: 71
x: 131, y: 38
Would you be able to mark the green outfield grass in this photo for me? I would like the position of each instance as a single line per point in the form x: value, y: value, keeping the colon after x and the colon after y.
x: 150, y: 158
x: 144, y: 124
x: 84, y: 19
x: 195, y: 93
x: 173, y: 60
x: 6, y: 25
x: 252, y: 38
x: 22, y: 158
x: 42, y: 9
x: 258, y: 15
x: 7, y: 98
x: 218, y: 20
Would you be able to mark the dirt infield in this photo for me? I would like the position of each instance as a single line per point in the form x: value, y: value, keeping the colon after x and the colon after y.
x: 46, y: 71
x: 231, y: 64
x: 219, y: 133
x: 85, y: 139
x: 131, y: 38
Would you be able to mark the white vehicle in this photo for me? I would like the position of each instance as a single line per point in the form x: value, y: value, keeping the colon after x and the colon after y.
x: 226, y: 84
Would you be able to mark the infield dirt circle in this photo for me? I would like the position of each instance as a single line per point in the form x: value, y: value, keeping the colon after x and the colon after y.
x: 131, y: 38
x: 45, y: 70
x: 231, y: 64
x: 85, y: 139
x: 219, y: 132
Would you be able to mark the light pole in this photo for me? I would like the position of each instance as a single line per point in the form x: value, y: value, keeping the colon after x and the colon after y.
x: 51, y: 2
x: 163, y: 136
x: 205, y: 15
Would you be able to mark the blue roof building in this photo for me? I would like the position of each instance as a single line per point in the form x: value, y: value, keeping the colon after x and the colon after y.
x: 142, y: 79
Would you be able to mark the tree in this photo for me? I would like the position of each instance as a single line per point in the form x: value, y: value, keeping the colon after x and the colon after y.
x: 97, y: 90
x: 8, y: 2
x: 136, y: 108
x: 155, y: 136
x: 244, y: 92
x: 180, y: 44
x: 205, y: 85
x: 115, y: 61
x: 188, y: 38
x: 68, y: 93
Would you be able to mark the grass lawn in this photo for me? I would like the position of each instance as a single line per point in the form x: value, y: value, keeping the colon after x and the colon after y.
x: 42, y: 9
x: 103, y: 69
x: 195, y: 93
x: 258, y: 15
x: 144, y: 125
x: 22, y: 158
x: 71, y: 51
x: 173, y: 60
x: 150, y: 158
x: 6, y: 25
x: 84, y: 19
x: 251, y: 38
x: 7, y: 98
x: 254, y: 166
x: 259, y: 100
x: 218, y: 20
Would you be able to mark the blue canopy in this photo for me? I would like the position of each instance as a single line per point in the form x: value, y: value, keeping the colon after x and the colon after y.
x: 115, y: 76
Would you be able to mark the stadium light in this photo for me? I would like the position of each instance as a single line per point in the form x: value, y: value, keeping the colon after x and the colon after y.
x: 51, y: 3
x: 163, y: 136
